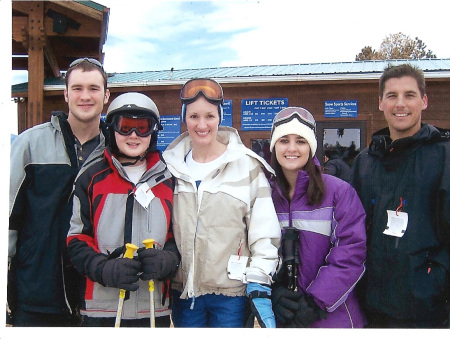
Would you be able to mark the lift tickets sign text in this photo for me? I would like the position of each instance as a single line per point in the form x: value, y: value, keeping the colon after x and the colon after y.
x: 257, y: 114
x: 341, y: 109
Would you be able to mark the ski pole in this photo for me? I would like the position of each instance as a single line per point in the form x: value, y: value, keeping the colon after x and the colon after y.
x: 148, y: 243
x: 130, y: 248
x: 290, y: 256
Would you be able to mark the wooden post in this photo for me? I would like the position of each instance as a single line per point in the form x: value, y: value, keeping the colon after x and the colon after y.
x: 35, y: 63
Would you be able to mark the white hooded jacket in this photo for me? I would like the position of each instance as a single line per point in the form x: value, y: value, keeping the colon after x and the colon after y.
x: 231, y: 213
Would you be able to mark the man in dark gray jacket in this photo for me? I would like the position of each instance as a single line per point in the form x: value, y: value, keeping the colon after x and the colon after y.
x: 403, y: 180
x: 45, y: 159
x: 336, y: 166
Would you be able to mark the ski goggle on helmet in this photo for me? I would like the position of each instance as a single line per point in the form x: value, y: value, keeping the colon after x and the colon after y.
x: 125, y: 124
x: 133, y: 112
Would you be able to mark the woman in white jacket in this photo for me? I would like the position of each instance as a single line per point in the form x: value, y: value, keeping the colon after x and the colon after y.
x: 224, y: 221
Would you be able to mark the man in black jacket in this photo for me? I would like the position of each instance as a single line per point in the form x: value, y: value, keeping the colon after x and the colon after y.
x: 45, y: 159
x: 403, y: 180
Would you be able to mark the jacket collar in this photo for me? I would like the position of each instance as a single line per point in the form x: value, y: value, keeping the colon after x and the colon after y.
x: 59, y: 121
x: 155, y: 165
x: 301, y: 186
x: 383, y: 146
x: 392, y: 153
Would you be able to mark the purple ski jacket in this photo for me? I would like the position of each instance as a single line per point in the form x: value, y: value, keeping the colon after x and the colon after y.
x: 332, y: 247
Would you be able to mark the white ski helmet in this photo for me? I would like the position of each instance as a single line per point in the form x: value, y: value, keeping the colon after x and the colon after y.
x: 135, y: 104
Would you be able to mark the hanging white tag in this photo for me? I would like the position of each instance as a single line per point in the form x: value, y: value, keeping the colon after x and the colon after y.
x: 236, y: 267
x: 144, y: 195
x: 396, y: 224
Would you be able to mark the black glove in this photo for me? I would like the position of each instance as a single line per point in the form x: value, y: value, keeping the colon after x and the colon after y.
x: 157, y: 264
x: 294, y: 309
x: 308, y: 313
x: 285, y: 303
x: 121, y: 273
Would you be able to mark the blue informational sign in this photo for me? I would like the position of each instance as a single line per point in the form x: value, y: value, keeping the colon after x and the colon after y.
x: 227, y: 113
x: 171, y: 130
x: 341, y: 109
x: 257, y: 114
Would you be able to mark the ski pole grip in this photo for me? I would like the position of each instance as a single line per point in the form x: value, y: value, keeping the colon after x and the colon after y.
x: 290, y: 236
x: 129, y: 252
x: 148, y: 243
x: 130, y: 248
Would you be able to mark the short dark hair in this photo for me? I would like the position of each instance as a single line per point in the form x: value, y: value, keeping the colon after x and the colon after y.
x: 87, y: 66
x: 400, y: 71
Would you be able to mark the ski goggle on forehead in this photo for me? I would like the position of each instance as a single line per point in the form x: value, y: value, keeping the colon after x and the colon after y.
x: 90, y: 60
x: 127, y: 124
x: 290, y: 113
x: 208, y: 87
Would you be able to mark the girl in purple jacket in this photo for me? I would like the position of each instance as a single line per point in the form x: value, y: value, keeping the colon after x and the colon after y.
x: 324, y: 240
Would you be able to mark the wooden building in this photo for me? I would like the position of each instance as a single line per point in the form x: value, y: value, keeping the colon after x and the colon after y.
x: 321, y: 88
x: 48, y: 35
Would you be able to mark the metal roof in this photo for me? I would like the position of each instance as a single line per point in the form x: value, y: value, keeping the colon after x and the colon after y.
x: 370, y: 69
x: 93, y: 5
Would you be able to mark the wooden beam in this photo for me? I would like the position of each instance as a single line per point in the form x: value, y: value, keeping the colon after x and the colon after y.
x: 19, y: 26
x: 77, y: 7
x: 62, y: 6
x: 88, y: 29
x: 21, y: 115
x: 21, y: 6
x: 35, y: 63
x: 51, y: 58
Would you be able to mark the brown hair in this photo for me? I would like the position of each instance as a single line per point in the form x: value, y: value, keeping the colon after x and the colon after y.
x: 87, y: 66
x: 400, y: 71
x: 316, y: 186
